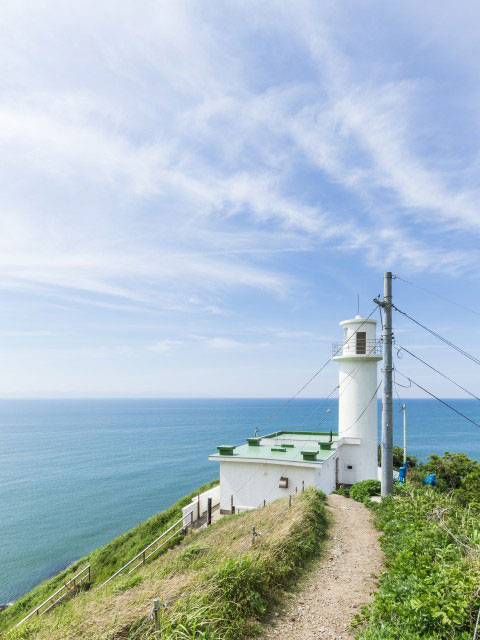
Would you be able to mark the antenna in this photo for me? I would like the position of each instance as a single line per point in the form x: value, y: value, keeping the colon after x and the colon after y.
x: 358, y: 303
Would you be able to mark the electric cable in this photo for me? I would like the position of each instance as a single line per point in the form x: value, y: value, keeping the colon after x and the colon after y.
x: 399, y: 349
x: 351, y: 375
x: 436, y: 295
x: 319, y: 405
x: 282, y: 407
x: 439, y: 399
x: 439, y: 337
x: 363, y: 412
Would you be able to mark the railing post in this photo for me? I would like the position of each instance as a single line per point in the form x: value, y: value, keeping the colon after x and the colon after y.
x: 290, y: 500
x: 264, y: 503
x: 253, y: 536
x: 143, y: 557
x: 303, y: 486
x: 209, y: 511
x: 232, y: 508
x: 156, y: 615
x: 89, y: 575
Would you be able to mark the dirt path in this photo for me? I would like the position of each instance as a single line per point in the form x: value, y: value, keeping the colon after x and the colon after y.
x: 325, y: 603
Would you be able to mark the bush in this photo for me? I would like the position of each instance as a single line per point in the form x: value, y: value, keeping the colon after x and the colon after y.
x: 364, y: 489
x: 430, y: 591
x: 343, y: 490
x: 412, y: 461
x: 455, y: 471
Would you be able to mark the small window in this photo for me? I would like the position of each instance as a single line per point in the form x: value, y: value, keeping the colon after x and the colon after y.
x: 361, y: 342
x: 349, y: 467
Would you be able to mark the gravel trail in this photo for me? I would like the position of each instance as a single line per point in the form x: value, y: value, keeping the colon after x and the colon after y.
x: 324, y: 604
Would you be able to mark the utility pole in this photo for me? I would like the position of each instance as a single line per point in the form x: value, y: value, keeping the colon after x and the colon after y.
x: 387, y: 397
x: 404, y: 409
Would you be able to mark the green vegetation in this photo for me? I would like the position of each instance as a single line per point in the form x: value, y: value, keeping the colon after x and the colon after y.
x: 104, y: 561
x: 362, y: 491
x: 343, y: 490
x: 412, y: 461
x: 216, y: 584
x: 431, y: 589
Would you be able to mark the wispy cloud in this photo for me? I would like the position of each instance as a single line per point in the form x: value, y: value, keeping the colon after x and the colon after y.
x: 196, y: 161
x: 229, y: 343
x: 165, y: 345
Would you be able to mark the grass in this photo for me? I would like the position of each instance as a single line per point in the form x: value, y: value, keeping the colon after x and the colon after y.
x: 430, y: 590
x: 104, y: 561
x: 224, y: 584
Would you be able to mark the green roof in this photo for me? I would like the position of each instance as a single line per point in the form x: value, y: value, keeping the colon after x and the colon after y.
x: 275, y: 450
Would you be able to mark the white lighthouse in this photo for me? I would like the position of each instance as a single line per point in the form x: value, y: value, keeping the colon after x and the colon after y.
x: 285, y: 462
x: 357, y: 357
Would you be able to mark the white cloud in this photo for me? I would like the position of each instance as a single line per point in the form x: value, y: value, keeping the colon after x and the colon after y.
x: 163, y: 346
x: 229, y: 343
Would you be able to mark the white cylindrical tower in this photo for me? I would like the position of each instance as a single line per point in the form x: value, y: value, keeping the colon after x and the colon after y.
x: 357, y: 357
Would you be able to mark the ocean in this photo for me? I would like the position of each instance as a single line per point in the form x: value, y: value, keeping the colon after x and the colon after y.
x: 76, y: 473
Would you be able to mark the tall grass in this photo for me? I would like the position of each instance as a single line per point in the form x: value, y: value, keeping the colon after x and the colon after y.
x: 104, y: 561
x: 215, y: 584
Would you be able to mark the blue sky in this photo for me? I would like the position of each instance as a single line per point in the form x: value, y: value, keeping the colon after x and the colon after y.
x: 193, y: 193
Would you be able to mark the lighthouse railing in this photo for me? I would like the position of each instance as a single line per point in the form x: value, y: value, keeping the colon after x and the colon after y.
x: 354, y: 348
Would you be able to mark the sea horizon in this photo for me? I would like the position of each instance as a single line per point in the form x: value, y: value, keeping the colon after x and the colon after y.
x: 77, y: 472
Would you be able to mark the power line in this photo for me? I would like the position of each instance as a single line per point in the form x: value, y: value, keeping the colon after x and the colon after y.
x: 399, y: 349
x: 363, y: 412
x: 282, y: 407
x: 319, y: 405
x: 439, y: 337
x: 351, y: 375
x: 457, y: 304
x: 439, y: 399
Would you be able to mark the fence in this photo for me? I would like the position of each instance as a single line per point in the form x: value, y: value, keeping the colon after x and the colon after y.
x: 252, y: 537
x: 68, y: 588
x: 174, y: 530
x: 198, y: 507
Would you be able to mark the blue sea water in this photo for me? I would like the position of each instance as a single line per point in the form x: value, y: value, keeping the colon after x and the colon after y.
x: 76, y: 473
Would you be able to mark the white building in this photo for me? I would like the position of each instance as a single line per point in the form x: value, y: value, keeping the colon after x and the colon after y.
x: 278, y: 464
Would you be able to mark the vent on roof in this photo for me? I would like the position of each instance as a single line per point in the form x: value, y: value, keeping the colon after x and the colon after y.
x: 226, y: 449
x: 309, y: 454
x: 284, y: 444
x: 253, y: 442
x: 325, y: 445
x: 278, y: 449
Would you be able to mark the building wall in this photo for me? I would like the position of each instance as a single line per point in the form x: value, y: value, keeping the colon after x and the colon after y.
x: 349, y: 456
x: 325, y: 476
x: 251, y: 483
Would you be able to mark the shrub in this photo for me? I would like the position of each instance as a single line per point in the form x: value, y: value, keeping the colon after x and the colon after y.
x: 343, y: 490
x: 430, y: 591
x: 412, y: 461
x: 364, y: 489
x: 455, y: 471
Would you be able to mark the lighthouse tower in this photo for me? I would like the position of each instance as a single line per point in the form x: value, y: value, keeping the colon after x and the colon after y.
x: 357, y: 357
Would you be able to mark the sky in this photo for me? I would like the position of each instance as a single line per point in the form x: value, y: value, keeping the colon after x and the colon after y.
x: 193, y: 194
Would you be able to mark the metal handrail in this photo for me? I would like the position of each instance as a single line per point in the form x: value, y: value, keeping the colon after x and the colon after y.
x: 142, y: 552
x: 368, y: 348
x: 65, y: 587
